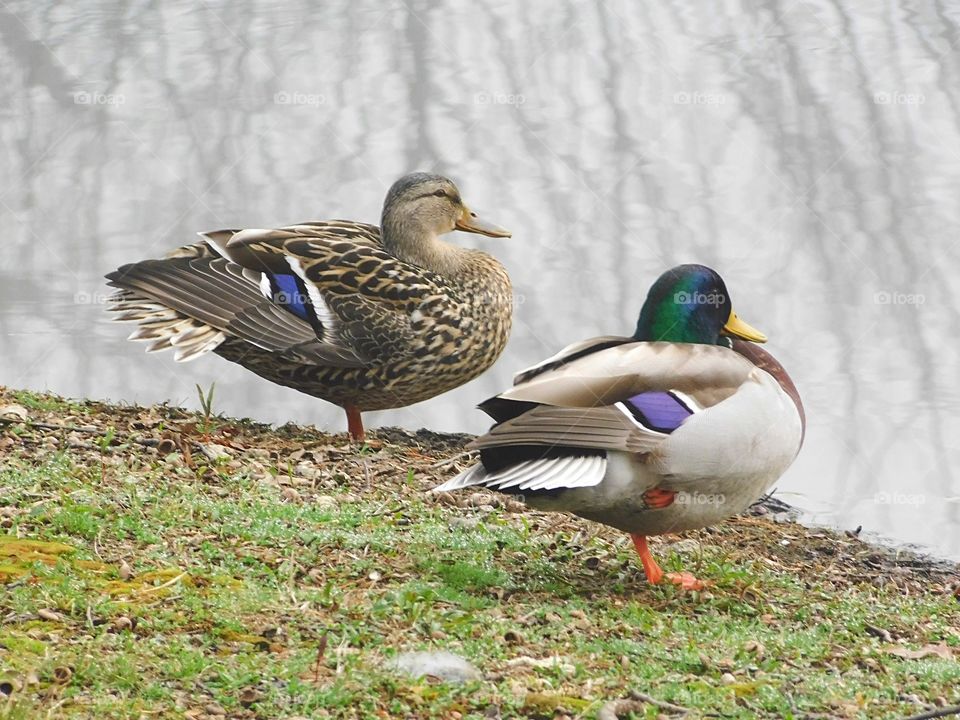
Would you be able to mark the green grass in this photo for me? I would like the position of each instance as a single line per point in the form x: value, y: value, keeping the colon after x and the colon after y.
x: 43, y: 401
x: 183, y: 587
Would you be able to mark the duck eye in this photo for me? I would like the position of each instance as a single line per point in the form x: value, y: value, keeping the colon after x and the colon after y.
x: 440, y: 193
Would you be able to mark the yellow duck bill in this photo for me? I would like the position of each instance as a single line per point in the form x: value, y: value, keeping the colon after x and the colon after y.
x: 738, y: 328
x: 470, y: 222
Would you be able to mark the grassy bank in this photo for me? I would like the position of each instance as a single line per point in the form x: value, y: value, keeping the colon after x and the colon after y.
x: 157, y: 563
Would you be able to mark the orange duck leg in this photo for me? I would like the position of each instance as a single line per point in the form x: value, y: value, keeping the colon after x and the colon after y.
x: 354, y: 423
x: 655, y: 574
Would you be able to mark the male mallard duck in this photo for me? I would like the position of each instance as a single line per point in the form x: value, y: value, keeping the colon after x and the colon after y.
x: 368, y: 318
x: 675, y: 428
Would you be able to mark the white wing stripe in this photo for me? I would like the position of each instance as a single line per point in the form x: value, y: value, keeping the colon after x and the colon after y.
x: 324, y: 314
x: 559, y: 469
x: 514, y: 474
x: 534, y: 475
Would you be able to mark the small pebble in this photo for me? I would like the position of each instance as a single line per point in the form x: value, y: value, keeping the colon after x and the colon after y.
x: 249, y: 696
x: 756, y: 647
x: 307, y: 470
x: 325, y: 502
x: 464, y: 523
x: 726, y: 664
x: 290, y: 495
x: 217, y: 452
x: 122, y: 623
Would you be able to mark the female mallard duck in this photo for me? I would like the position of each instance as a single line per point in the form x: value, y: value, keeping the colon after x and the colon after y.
x: 367, y: 318
x: 675, y: 428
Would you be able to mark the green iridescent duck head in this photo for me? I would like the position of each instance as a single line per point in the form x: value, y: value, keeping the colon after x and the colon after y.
x: 690, y: 304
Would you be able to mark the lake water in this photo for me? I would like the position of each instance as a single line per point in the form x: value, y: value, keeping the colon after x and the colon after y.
x: 809, y: 151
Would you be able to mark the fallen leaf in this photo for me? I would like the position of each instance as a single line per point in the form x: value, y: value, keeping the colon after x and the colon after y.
x: 878, y: 632
x: 13, y: 413
x: 125, y: 572
x: 941, y: 650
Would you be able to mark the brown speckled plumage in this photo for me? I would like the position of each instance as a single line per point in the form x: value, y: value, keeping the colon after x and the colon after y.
x: 420, y: 333
x: 397, y: 320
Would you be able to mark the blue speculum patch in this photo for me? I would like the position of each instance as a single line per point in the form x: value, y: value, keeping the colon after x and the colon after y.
x: 289, y: 292
x: 660, y: 411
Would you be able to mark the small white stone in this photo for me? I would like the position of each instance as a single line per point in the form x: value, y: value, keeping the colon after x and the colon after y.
x: 439, y: 664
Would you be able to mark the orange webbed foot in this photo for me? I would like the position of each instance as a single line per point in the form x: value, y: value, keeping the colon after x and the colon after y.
x: 655, y: 575
x: 686, y: 581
